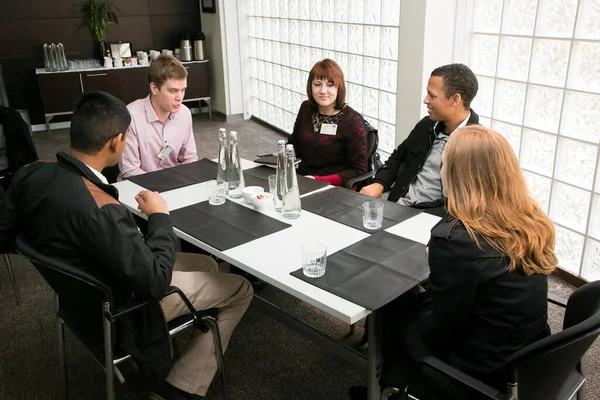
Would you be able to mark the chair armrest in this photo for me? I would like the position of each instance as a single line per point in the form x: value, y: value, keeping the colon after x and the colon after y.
x: 353, y: 181
x: 559, y: 301
x: 460, y: 378
x: 197, y: 320
x: 119, y: 312
x: 175, y: 290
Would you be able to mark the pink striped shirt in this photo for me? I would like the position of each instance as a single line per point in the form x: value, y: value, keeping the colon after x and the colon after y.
x: 148, y: 135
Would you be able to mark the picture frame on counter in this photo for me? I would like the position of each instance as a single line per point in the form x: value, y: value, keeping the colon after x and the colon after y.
x: 209, y: 6
x: 121, y: 50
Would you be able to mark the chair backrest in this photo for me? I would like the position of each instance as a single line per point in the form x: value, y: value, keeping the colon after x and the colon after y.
x: 21, y: 149
x: 80, y: 296
x: 542, y: 368
x: 372, y: 146
x: 111, y: 173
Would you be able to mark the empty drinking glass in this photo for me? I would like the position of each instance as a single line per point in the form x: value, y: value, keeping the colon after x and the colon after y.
x: 372, y: 214
x: 216, y: 192
x: 314, y: 259
x: 273, y: 189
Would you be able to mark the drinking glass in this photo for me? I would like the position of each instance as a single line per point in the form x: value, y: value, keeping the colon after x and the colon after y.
x: 314, y: 259
x: 216, y: 192
x: 273, y: 188
x: 372, y: 215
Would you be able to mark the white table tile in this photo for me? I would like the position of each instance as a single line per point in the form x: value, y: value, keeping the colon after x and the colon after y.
x: 417, y: 228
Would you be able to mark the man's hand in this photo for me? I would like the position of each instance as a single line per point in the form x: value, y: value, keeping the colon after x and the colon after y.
x: 309, y: 176
x: 374, y: 189
x: 151, y: 202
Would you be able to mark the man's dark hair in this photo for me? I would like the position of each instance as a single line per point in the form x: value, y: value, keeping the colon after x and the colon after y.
x: 458, y: 78
x: 97, y: 118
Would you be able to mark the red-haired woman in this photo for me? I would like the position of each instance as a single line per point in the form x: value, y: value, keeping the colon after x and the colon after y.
x: 329, y: 136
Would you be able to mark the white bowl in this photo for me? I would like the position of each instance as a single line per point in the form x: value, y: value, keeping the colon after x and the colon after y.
x: 248, y: 191
x: 262, y: 200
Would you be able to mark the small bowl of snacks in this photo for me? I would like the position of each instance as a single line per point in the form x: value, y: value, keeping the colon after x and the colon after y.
x: 248, y: 191
x: 262, y: 200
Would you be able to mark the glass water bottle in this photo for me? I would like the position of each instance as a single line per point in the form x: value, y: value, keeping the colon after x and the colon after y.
x: 291, y: 207
x: 223, y: 161
x: 235, y: 181
x: 279, y: 174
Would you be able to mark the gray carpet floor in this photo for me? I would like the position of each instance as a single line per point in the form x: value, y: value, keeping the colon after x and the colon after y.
x: 265, y: 359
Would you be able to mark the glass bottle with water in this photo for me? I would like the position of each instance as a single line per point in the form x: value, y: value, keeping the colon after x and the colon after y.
x: 47, y: 65
x: 291, y: 207
x: 279, y: 174
x: 60, y: 57
x: 235, y: 181
x: 223, y: 162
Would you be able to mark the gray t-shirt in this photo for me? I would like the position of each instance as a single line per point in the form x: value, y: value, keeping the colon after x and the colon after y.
x: 427, y: 186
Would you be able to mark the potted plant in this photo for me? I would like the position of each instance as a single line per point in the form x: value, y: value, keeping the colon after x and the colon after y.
x: 99, y: 13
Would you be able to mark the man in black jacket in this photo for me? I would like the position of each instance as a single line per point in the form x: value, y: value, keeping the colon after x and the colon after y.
x: 68, y: 211
x: 412, y: 173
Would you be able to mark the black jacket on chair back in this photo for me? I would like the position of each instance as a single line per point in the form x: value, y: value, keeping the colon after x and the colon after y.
x: 66, y: 213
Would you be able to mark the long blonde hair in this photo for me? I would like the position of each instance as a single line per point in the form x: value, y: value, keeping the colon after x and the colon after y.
x: 487, y: 192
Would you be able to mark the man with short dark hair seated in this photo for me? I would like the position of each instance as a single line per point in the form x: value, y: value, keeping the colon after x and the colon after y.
x: 69, y: 212
x: 411, y: 176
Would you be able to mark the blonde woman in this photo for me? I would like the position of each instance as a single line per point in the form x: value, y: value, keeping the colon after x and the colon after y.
x: 490, y: 258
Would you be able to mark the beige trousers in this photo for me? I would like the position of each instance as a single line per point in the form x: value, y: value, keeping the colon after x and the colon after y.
x: 198, y: 277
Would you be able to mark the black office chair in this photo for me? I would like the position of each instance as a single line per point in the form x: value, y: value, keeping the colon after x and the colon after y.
x: 11, y: 276
x: 19, y: 143
x: 111, y: 173
x: 9, y: 267
x: 86, y: 304
x: 373, y: 159
x: 548, y: 369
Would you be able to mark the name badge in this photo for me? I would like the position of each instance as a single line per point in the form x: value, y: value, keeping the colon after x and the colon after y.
x: 164, y: 152
x: 328, y: 129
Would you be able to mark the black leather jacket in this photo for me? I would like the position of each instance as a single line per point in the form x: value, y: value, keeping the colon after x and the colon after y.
x: 408, y: 159
x: 67, y: 213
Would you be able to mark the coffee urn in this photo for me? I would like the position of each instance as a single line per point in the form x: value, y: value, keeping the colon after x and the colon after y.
x: 199, y: 41
x: 186, y: 48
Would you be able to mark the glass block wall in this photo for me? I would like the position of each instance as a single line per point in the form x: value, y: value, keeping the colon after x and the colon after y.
x: 538, y: 64
x: 286, y: 38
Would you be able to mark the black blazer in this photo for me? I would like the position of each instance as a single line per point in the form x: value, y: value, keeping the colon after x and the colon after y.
x: 477, y: 314
x: 408, y: 159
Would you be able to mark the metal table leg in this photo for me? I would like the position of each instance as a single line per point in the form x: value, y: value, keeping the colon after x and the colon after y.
x: 48, y: 118
x: 374, y: 360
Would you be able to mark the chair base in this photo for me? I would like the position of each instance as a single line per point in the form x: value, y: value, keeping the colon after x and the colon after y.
x: 387, y: 392
x: 13, y: 281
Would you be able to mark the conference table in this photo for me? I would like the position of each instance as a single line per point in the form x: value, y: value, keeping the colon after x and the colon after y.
x: 275, y: 256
